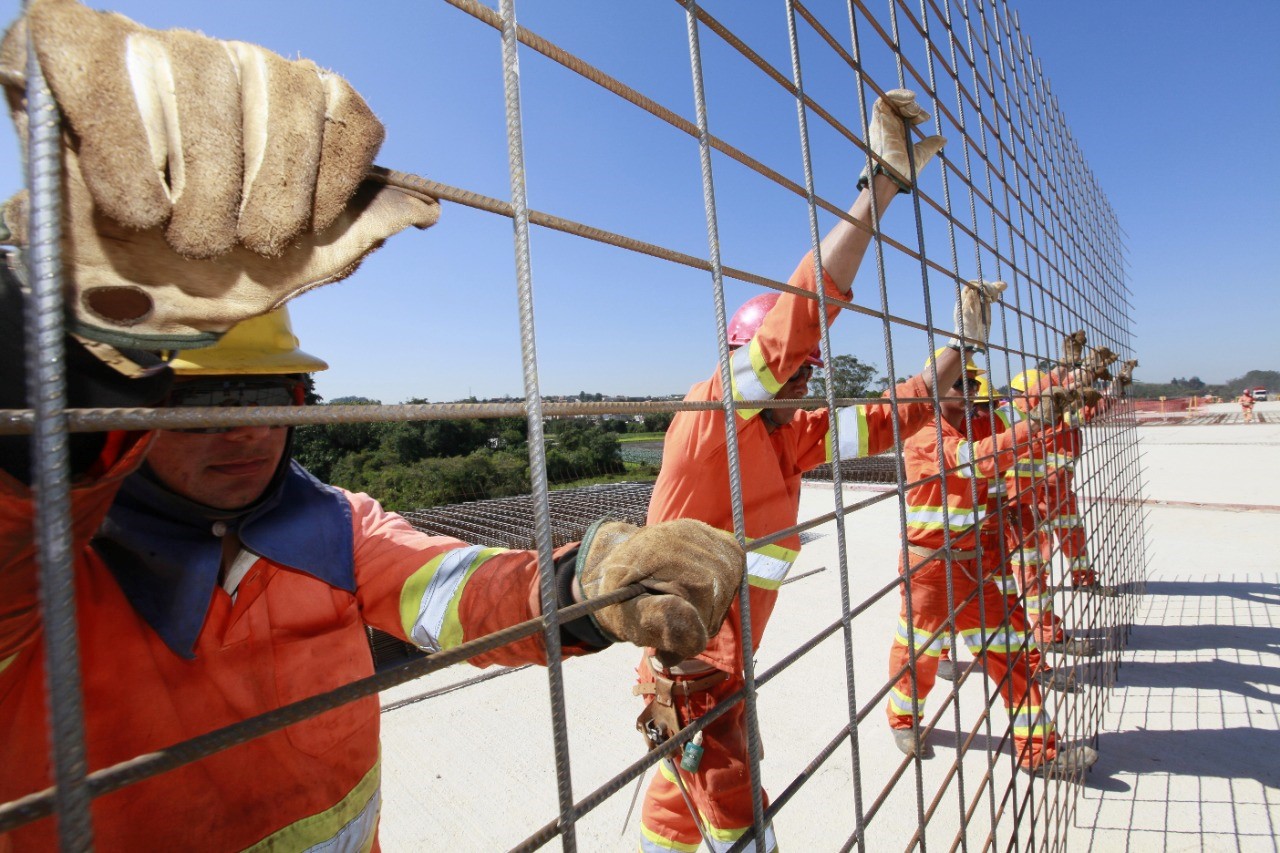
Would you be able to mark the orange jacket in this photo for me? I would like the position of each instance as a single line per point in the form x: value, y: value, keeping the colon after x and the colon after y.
x: 285, y: 636
x: 694, y: 481
x: 968, y: 468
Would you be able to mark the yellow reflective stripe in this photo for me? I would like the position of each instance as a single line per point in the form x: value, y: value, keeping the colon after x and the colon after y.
x: 1031, y: 722
x: 901, y: 703
x: 429, y: 598
x: 906, y: 634
x: 722, y: 838
x: 1000, y: 642
x: 752, y: 378
x: 767, y: 566
x: 4, y: 664
x: 923, y: 517
x: 964, y: 460
x: 355, y: 816
x: 1027, y: 557
x: 1009, y: 415
x: 855, y: 434
x: 652, y: 842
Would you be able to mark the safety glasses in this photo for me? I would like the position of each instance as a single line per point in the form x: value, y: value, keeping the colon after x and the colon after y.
x: 233, y: 393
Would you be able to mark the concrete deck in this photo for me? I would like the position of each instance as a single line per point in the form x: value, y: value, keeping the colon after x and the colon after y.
x: 1189, y: 755
x: 1190, y: 759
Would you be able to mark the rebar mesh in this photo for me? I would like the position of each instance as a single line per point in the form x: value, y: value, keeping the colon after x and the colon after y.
x: 1011, y: 198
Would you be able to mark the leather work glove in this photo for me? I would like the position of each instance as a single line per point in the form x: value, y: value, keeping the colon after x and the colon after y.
x: 1125, y: 377
x: 892, y: 116
x: 1073, y: 348
x: 690, y: 569
x: 206, y: 181
x: 974, y: 308
x: 1055, y: 405
x: 1096, y: 363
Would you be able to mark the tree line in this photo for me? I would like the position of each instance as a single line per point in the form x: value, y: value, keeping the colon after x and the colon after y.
x: 418, y: 464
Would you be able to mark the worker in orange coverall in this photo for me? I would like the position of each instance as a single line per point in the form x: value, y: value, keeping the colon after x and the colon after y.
x: 216, y: 580
x: 775, y: 339
x: 1043, y: 505
x: 994, y: 632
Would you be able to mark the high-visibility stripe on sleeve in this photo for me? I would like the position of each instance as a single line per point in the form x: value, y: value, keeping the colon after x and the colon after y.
x: 1026, y: 557
x: 752, y: 378
x: 1009, y: 415
x: 964, y: 460
x: 349, y: 825
x: 429, y: 598
x: 855, y: 434
x: 767, y: 566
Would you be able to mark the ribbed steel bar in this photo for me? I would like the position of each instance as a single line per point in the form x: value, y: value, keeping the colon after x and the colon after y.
x: 828, y: 357
x: 534, y: 420
x: 51, y: 467
x: 730, y: 426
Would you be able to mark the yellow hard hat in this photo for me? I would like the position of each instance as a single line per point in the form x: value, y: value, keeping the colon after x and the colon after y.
x: 983, y: 394
x: 264, y: 345
x: 972, y: 368
x: 1026, y: 380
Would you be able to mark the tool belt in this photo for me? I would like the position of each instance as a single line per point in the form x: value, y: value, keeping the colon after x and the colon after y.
x: 658, y: 722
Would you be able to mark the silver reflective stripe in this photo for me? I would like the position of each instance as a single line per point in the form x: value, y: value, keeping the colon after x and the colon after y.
x: 751, y: 377
x: 964, y: 460
x: 933, y: 518
x: 357, y: 835
x: 721, y: 843
x: 439, y: 592
x: 852, y: 423
x: 769, y: 569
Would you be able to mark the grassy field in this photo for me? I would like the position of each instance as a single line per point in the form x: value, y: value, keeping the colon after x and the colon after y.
x: 629, y: 437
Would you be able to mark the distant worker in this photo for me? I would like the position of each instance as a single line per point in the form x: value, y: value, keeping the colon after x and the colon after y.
x: 775, y: 339
x: 954, y: 553
x: 215, y: 579
x: 1246, y: 405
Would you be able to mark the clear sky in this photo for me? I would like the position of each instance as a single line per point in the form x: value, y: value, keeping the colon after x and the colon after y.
x: 1174, y: 106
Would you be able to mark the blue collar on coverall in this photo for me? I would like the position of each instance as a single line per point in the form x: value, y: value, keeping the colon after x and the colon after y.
x: 163, y: 552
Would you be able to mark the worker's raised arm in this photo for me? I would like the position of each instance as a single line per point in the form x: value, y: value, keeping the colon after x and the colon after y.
x: 889, y: 134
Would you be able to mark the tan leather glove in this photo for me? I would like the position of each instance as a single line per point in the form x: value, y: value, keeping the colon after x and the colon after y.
x: 974, y: 308
x: 1125, y: 377
x: 1055, y: 405
x: 206, y: 181
x: 1097, y: 363
x: 690, y: 569
x: 1073, y: 348
x: 888, y: 133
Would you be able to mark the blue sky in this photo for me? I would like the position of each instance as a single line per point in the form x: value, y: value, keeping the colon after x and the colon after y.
x: 1173, y: 108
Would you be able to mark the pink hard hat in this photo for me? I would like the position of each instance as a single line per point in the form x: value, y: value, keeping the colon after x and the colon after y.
x: 747, y: 319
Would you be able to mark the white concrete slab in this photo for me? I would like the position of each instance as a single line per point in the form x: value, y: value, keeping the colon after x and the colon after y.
x: 1188, y: 756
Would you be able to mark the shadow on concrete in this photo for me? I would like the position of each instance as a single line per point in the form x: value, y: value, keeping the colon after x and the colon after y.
x: 1260, y: 592
x: 1216, y: 674
x: 1259, y: 639
x: 1238, y: 753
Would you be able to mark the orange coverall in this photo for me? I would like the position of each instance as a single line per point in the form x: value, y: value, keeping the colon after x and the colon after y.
x: 993, y: 631
x: 283, y: 634
x: 694, y: 483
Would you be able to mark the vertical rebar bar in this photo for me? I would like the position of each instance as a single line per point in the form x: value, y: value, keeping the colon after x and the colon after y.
x: 533, y: 417
x: 46, y: 391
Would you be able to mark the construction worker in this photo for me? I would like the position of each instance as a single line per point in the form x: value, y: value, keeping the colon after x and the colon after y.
x: 949, y: 501
x: 215, y: 579
x: 1043, y: 491
x: 775, y: 348
x: 1246, y: 405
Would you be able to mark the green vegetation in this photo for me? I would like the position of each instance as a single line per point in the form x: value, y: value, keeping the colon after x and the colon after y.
x: 417, y: 464
x: 1179, y: 387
